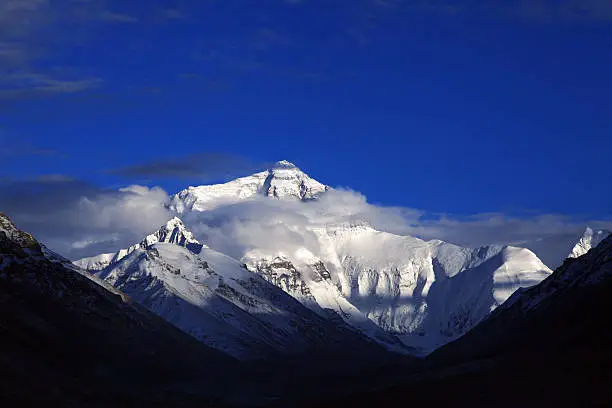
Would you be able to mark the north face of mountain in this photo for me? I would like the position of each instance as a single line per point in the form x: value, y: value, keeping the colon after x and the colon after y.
x: 425, y: 292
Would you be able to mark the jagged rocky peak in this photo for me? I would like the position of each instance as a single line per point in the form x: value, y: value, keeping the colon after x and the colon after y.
x: 8, y: 231
x: 173, y: 232
x: 589, y: 239
x: 16, y: 245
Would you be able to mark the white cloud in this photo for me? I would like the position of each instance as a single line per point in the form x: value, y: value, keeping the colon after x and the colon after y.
x: 273, y: 225
x: 77, y: 220
x: 281, y: 226
x: 482, y: 229
x: 134, y: 208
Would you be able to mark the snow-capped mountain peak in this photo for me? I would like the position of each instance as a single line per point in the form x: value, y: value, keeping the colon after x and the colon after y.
x: 283, y: 180
x: 173, y: 232
x: 589, y: 239
x: 285, y: 164
x: 12, y: 233
x: 381, y: 284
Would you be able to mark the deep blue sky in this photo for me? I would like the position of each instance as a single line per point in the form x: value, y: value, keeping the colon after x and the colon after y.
x: 413, y: 103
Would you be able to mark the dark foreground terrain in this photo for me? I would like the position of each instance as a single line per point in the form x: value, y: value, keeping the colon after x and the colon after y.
x: 68, y: 341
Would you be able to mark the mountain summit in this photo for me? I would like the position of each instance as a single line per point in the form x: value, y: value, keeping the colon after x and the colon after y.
x: 589, y: 239
x: 173, y: 232
x: 284, y: 180
x: 285, y: 164
x: 8, y: 231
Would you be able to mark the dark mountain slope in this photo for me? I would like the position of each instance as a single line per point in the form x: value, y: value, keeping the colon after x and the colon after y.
x: 67, y: 340
x: 72, y: 340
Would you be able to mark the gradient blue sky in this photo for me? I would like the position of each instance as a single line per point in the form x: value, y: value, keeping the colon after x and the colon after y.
x: 456, y: 107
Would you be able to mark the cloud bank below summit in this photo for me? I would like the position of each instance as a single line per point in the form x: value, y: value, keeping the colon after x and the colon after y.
x: 77, y: 219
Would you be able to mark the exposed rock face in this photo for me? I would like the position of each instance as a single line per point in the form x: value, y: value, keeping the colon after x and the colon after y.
x: 282, y: 273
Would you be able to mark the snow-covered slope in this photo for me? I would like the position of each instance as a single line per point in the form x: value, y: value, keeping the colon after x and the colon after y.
x: 428, y: 293
x: 306, y: 278
x: 548, y: 347
x: 215, y: 299
x: 174, y: 232
x: 283, y: 181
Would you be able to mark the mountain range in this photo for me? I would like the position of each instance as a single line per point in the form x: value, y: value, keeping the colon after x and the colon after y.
x: 342, y: 314
x: 172, y: 320
x: 406, y: 294
x: 70, y: 338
